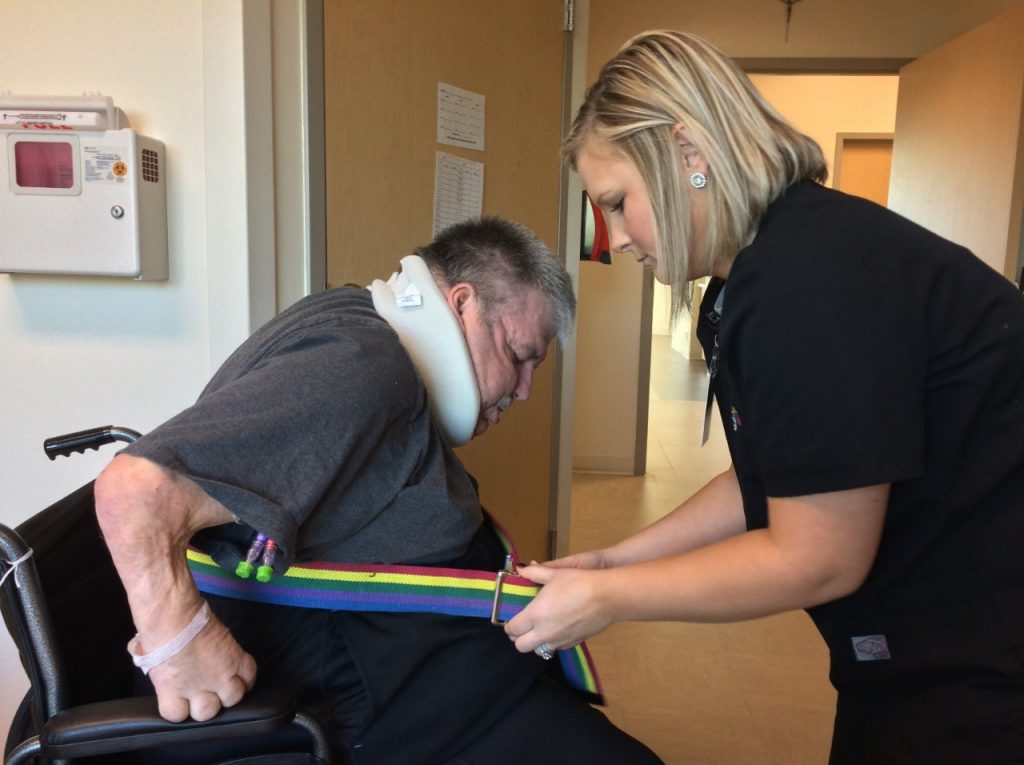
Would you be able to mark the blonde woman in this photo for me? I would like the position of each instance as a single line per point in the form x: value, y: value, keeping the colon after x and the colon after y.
x: 870, y: 377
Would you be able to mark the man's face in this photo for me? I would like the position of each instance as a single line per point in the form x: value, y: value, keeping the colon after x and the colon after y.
x: 505, y: 347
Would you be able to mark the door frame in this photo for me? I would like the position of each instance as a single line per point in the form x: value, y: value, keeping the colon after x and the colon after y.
x: 300, y: 188
x: 570, y: 235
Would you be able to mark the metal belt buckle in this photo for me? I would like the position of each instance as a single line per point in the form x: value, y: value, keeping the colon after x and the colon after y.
x: 499, y: 580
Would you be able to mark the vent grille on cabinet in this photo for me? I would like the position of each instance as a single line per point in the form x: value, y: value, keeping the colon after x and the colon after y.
x: 150, y: 166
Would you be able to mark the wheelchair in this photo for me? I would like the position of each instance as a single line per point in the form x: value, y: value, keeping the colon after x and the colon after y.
x: 66, y: 610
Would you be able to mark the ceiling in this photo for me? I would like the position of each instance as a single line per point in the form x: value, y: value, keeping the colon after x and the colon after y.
x: 869, y: 35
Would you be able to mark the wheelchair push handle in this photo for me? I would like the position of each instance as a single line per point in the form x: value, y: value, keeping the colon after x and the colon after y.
x: 93, y: 438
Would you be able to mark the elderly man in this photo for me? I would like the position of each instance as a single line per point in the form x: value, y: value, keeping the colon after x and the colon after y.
x: 327, y: 436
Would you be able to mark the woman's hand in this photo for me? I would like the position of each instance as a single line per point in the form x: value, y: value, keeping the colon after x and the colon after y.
x: 568, y: 609
x: 592, y: 559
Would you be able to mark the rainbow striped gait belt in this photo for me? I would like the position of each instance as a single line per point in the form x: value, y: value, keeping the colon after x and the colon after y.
x: 497, y: 596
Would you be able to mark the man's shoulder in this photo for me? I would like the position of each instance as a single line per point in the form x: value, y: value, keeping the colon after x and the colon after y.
x: 338, y: 305
x: 321, y: 318
x: 329, y: 330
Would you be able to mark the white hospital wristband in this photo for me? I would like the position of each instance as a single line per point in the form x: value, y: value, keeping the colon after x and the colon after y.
x: 147, y: 661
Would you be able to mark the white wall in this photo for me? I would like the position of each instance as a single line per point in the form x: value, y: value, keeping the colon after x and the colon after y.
x: 80, y: 352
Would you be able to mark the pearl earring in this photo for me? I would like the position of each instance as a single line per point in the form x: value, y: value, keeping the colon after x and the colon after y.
x: 698, y: 180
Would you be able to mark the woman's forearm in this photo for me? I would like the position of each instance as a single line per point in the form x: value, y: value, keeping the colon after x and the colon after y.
x: 713, y: 513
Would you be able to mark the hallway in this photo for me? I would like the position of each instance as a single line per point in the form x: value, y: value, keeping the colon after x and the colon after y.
x: 748, y: 693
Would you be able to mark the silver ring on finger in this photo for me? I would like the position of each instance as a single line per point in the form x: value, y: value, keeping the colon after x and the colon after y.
x: 544, y: 651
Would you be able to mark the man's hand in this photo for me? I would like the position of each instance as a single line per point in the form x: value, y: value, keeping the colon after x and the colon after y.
x: 147, y: 515
x: 210, y: 673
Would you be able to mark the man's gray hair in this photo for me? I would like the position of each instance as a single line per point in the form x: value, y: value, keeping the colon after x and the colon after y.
x: 499, y: 258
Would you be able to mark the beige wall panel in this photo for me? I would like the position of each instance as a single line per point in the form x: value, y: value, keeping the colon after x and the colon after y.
x: 607, y: 364
x: 956, y: 158
x: 822, y: 29
x: 383, y: 60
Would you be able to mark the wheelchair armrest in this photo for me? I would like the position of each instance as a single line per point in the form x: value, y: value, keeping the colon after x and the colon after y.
x: 126, y: 725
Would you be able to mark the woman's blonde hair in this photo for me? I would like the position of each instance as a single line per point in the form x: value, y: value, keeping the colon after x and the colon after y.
x: 662, y: 79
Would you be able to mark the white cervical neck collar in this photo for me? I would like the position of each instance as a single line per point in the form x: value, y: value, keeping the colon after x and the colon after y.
x: 411, y: 302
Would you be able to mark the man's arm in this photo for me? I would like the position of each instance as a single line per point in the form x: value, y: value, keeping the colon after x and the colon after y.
x: 148, y: 515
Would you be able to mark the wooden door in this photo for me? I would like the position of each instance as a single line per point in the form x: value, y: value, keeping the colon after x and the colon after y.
x: 863, y: 165
x: 383, y: 60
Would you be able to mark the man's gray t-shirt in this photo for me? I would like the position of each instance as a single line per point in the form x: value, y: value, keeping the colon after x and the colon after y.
x: 317, y: 432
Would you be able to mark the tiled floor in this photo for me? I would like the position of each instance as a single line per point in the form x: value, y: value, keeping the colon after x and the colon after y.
x: 749, y: 693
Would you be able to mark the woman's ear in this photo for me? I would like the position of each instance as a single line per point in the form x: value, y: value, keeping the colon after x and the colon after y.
x: 690, y: 154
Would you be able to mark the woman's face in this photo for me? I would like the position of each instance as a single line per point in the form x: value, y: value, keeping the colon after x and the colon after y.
x: 614, y: 184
